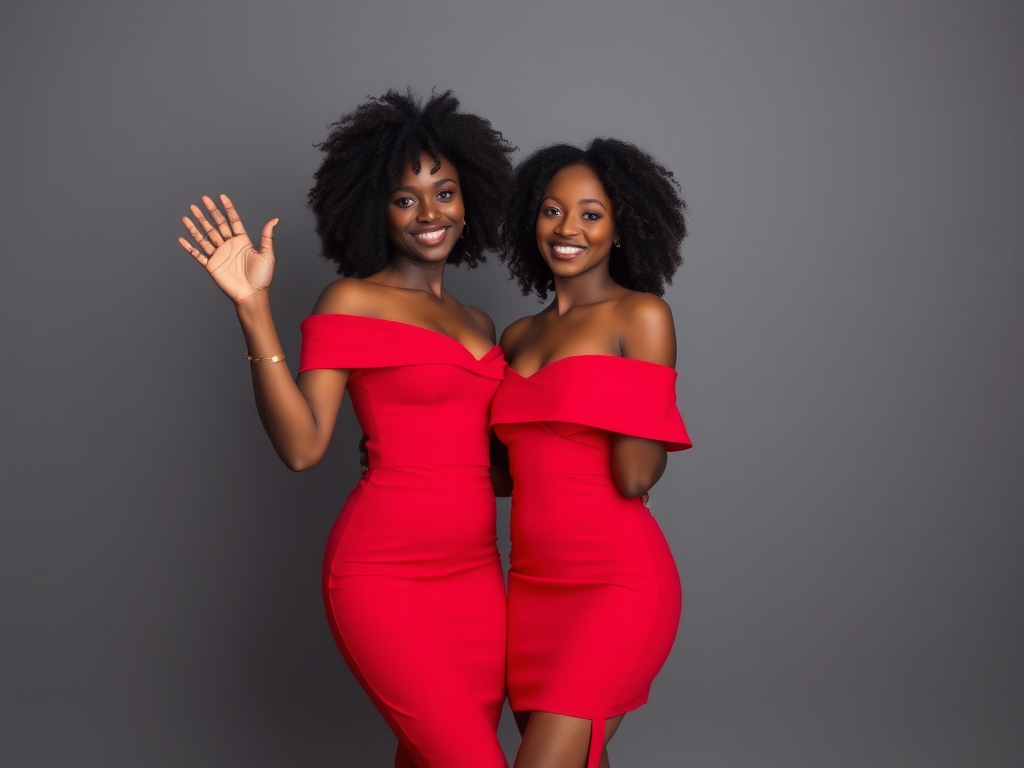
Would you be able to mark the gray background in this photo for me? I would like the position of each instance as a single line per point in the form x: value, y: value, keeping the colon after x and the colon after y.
x: 848, y: 528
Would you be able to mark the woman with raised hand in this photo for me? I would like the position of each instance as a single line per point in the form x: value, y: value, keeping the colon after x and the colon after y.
x: 412, y: 580
x: 588, y: 412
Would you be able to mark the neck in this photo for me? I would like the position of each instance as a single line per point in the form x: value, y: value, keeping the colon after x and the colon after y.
x: 415, y: 275
x: 590, y: 287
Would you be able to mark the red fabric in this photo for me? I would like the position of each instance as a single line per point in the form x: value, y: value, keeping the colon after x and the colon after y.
x: 412, y: 579
x: 596, y: 743
x: 617, y: 394
x: 594, y: 597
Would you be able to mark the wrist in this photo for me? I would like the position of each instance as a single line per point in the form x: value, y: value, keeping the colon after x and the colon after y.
x: 255, y: 305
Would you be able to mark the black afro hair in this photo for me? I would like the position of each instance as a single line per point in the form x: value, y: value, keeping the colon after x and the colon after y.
x: 650, y: 216
x: 365, y: 154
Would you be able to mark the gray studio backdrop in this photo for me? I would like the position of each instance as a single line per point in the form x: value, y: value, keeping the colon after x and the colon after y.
x: 848, y: 526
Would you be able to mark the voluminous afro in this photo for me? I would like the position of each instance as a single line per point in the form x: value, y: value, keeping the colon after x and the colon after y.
x: 365, y: 155
x: 649, y: 215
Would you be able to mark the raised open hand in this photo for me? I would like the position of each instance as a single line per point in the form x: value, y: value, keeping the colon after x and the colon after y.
x: 238, y: 268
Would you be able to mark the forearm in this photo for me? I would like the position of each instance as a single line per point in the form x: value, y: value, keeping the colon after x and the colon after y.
x: 637, y: 464
x: 286, y: 414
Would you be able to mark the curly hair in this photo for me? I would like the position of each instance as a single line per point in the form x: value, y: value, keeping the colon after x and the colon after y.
x: 365, y: 154
x: 650, y: 216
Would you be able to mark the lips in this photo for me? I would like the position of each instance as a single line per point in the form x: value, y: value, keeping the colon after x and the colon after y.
x: 567, y: 250
x: 430, y: 236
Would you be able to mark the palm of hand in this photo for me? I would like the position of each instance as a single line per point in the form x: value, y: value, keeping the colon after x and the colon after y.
x: 239, y: 269
x: 235, y: 264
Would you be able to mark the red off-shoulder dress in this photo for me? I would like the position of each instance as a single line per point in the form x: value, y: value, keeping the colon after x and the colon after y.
x: 412, y: 579
x: 594, y: 597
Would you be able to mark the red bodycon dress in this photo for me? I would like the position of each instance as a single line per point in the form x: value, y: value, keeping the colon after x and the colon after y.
x: 412, y: 579
x: 594, y: 597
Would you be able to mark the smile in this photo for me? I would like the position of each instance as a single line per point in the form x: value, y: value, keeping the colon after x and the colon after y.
x: 432, y: 237
x: 568, y: 251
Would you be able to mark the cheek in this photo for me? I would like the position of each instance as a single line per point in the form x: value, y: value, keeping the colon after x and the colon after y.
x: 542, y: 228
x: 398, y: 218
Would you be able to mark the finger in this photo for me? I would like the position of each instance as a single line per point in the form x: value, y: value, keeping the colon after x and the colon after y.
x: 215, y: 237
x: 203, y: 242
x: 267, y: 241
x: 198, y: 256
x: 646, y: 499
x: 233, y: 217
x: 218, y: 217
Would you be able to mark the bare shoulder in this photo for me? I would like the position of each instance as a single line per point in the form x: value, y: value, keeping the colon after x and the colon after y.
x: 347, y: 296
x: 649, y: 331
x: 513, y: 334
x: 648, y: 310
x: 483, y: 320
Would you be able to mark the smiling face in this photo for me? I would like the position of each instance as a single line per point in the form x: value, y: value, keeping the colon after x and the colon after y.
x: 575, y: 224
x: 425, y: 212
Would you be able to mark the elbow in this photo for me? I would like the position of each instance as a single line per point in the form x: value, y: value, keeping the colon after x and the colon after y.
x: 299, y: 462
x: 633, y: 488
x: 635, y: 470
x: 633, y: 483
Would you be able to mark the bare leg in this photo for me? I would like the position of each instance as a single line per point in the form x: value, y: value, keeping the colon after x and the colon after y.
x: 557, y: 741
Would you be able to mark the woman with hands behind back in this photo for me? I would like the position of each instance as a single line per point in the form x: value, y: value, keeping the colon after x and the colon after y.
x: 588, y: 412
x: 412, y: 580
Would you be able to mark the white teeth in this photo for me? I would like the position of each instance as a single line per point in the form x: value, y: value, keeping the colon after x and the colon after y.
x: 569, y: 250
x: 431, y: 237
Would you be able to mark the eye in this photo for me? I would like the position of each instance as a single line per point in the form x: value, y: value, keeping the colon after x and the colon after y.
x: 550, y: 212
x: 592, y: 216
x: 403, y: 202
x: 446, y: 195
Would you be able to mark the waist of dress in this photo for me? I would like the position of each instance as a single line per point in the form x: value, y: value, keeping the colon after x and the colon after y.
x: 563, y: 484
x: 453, y: 468
x: 435, y: 477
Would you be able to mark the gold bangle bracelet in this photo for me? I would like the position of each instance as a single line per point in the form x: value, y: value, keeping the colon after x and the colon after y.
x: 271, y: 359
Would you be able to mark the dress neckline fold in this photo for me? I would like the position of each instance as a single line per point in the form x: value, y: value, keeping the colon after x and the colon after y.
x: 434, y: 332
x: 583, y: 357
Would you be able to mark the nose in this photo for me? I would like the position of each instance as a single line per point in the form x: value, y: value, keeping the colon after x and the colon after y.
x: 427, y: 211
x: 567, y: 227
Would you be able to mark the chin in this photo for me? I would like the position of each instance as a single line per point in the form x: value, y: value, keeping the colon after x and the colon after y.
x: 564, y: 269
x: 438, y: 252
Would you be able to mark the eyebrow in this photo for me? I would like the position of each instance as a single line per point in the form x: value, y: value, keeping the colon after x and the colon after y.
x: 437, y: 183
x: 584, y: 200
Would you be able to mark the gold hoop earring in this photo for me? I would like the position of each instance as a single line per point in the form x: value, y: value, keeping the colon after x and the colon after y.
x: 465, y: 226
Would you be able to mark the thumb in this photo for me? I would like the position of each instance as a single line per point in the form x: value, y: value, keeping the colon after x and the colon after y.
x: 267, y: 238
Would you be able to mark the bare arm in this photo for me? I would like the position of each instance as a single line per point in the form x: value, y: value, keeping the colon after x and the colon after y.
x: 638, y: 463
x: 298, y: 417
